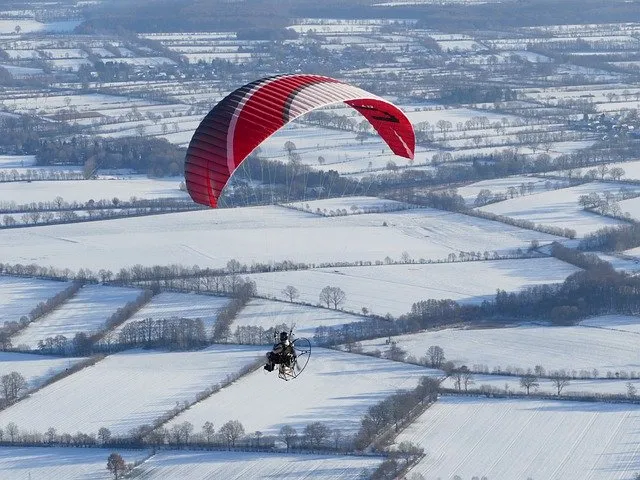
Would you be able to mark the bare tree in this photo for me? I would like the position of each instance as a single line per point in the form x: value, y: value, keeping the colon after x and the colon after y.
x: 409, y: 451
x: 436, y: 357
x: 116, y: 465
x: 539, y: 371
x: 231, y: 432
x: 51, y: 434
x: 484, y: 197
x: 332, y: 296
x: 462, y: 377
x: 467, y: 378
x: 396, y: 353
x: 12, y: 384
x: 616, y: 173
x: 185, y: 429
x: 288, y: 435
x: 290, y: 292
x: 559, y: 380
x: 316, y: 434
x: 208, y: 431
x: 602, y: 169
x: 12, y: 431
x: 290, y: 147
x: 104, y: 434
x: 632, y: 391
x: 529, y: 381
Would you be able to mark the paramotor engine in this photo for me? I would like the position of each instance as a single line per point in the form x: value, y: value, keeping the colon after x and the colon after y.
x: 249, y: 115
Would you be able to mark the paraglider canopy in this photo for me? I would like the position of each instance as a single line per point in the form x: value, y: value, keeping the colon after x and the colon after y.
x: 252, y: 113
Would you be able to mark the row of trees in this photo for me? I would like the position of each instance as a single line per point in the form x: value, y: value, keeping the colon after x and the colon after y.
x: 172, y: 333
x: 37, y: 217
x: 40, y: 174
x: 232, y: 434
x: 606, y: 204
x: 388, y: 416
x: 84, y: 343
x: 598, y: 289
x: 11, y: 327
x: 540, y: 371
x: 153, y: 156
x: 612, y: 239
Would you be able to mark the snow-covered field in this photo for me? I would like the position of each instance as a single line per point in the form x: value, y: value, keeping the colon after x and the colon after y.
x: 339, y: 150
x: 501, y: 186
x: 240, y: 466
x: 20, y: 463
x: 85, y: 312
x: 336, y: 388
x: 127, y: 390
x: 526, y: 439
x: 18, y: 295
x: 84, y: 190
x: 352, y: 205
x: 631, y: 207
x: 45, y: 102
x: 16, y: 161
x: 179, y: 305
x: 615, y: 322
x: 259, y: 234
x: 394, y: 288
x: 602, y: 385
x: 267, y: 314
x: 35, y: 369
x: 559, y: 208
x: 623, y: 261
x: 568, y: 348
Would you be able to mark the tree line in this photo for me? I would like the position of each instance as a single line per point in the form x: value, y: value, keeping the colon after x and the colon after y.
x: 149, y: 155
x: 595, y: 290
x: 12, y: 327
x: 90, y: 213
x: 612, y: 239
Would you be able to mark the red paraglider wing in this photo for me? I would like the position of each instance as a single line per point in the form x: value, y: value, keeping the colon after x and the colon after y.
x: 252, y: 113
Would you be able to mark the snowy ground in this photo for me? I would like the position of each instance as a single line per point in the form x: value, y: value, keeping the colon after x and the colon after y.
x: 127, y: 390
x: 16, y: 161
x: 210, y: 238
x: 35, y: 369
x: 81, y: 191
x: 569, y: 348
x: 179, y: 305
x: 339, y: 150
x: 526, y: 439
x: 394, y: 288
x: 336, y: 388
x: 85, y: 312
x: 623, y: 261
x: 20, y: 463
x: 631, y: 207
x: 558, y: 208
x: 48, y: 103
x: 240, y: 466
x: 614, y: 322
x: 267, y: 314
x: 18, y: 295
